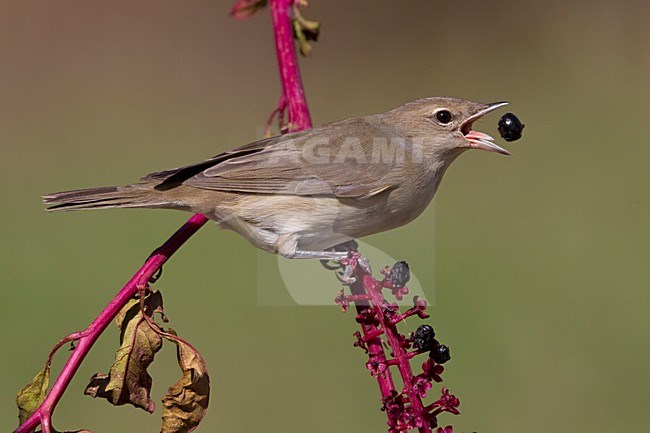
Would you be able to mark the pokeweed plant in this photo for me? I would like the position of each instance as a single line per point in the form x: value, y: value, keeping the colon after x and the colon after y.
x: 379, y: 320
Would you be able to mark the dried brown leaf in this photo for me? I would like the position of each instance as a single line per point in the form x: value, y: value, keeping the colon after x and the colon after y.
x: 128, y: 380
x: 32, y: 395
x: 187, y: 400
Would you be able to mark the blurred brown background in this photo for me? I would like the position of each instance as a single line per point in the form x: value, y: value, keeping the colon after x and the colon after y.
x: 541, y: 260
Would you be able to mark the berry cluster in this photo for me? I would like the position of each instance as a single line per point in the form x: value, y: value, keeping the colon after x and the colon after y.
x: 378, y: 319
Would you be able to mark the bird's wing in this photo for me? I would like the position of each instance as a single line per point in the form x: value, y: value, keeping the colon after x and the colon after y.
x: 352, y: 158
x: 178, y: 175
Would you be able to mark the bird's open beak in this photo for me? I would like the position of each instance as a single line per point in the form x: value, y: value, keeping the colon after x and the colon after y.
x: 480, y: 140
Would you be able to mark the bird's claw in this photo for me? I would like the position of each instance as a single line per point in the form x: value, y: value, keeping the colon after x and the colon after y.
x: 346, y: 276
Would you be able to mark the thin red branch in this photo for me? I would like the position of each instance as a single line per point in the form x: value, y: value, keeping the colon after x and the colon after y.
x: 373, y: 341
x: 299, y: 119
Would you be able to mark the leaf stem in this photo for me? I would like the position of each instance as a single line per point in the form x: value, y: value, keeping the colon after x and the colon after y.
x: 68, y: 338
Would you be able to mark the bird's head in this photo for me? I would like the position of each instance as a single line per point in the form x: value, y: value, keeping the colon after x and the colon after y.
x: 444, y: 125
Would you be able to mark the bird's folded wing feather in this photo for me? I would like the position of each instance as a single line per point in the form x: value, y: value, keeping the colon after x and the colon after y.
x: 342, y: 159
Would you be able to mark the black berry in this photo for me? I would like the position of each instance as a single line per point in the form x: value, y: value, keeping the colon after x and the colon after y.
x: 424, y: 338
x: 510, y: 127
x: 399, y: 274
x: 440, y: 354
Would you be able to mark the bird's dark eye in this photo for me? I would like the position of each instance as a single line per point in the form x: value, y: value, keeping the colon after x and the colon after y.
x: 443, y: 116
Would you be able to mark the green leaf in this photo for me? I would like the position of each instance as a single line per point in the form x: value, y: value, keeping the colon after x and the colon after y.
x: 32, y: 395
x: 187, y: 400
x: 128, y: 380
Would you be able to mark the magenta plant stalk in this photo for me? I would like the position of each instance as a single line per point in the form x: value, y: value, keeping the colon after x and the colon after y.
x: 371, y: 336
x: 299, y: 119
x: 285, y: 48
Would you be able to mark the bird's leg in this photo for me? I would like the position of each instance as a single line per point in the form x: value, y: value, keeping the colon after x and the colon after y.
x: 287, y: 245
x: 344, y: 247
x: 346, y: 276
x: 320, y: 255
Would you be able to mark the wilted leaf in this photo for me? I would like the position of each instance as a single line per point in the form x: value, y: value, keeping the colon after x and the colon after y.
x: 32, y: 395
x: 243, y: 9
x: 303, y: 45
x: 187, y: 400
x: 128, y: 380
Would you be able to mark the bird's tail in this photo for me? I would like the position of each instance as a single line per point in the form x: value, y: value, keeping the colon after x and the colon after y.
x: 103, y: 198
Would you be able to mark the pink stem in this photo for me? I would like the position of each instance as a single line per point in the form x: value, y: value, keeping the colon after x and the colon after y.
x: 285, y: 47
x: 299, y: 119
x: 371, y: 336
x: 400, y: 356
x: 409, y: 355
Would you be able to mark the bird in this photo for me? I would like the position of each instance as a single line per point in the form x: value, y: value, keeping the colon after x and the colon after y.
x: 301, y: 194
